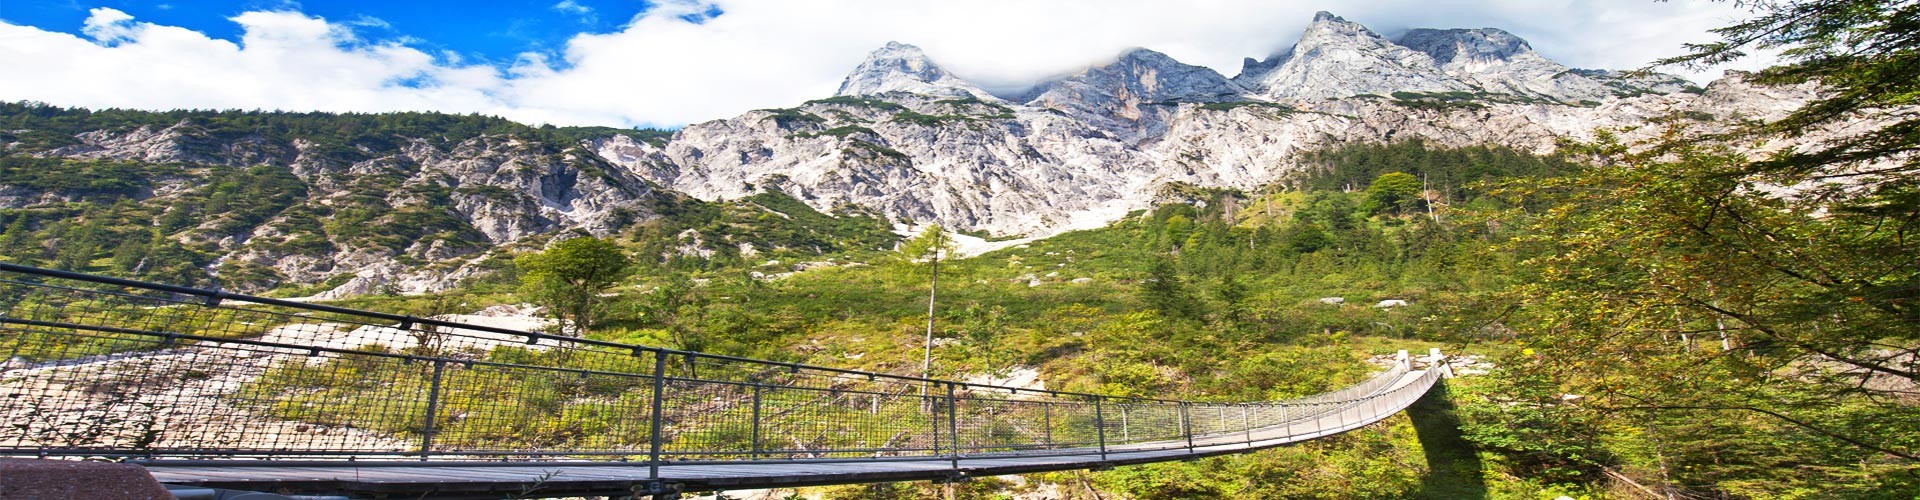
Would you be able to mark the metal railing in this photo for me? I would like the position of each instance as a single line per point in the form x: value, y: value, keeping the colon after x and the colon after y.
x: 101, y: 367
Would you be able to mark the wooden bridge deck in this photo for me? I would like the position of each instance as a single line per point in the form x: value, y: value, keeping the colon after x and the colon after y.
x: 395, y: 479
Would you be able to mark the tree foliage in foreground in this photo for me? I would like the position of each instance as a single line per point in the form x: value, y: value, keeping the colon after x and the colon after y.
x: 568, y: 278
x: 1716, y: 325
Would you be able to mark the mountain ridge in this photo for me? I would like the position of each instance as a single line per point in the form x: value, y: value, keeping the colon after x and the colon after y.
x: 903, y: 141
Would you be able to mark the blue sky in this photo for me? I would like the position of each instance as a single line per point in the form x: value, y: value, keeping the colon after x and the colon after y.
x: 668, y: 63
x: 496, y: 31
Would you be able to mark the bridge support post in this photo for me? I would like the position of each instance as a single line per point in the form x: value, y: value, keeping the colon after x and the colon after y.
x: 1100, y: 427
x: 1046, y: 415
x: 658, y: 424
x: 1186, y: 425
x: 1246, y: 423
x: 1287, y: 430
x: 433, y: 405
x: 755, y: 444
x: 953, y: 425
x: 1436, y: 361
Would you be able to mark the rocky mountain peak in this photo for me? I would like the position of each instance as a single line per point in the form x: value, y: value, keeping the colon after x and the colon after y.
x: 1133, y: 94
x: 1467, y: 46
x: 1329, y: 28
x: 1501, y: 62
x: 1339, y: 58
x: 1156, y: 76
x: 899, y: 67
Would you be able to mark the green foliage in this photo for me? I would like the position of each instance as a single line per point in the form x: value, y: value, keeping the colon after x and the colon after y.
x: 841, y: 131
x: 1522, y: 415
x: 575, y: 135
x: 932, y: 243
x: 1397, y: 192
x: 856, y: 145
x: 172, y: 222
x: 568, y: 278
x: 848, y: 100
x: 106, y: 180
x: 1708, y: 332
x: 1231, y: 105
x: 1163, y: 290
x: 999, y: 111
x: 771, y: 224
x: 787, y: 118
x: 340, y: 136
x: 1634, y: 260
x: 1383, y: 461
x: 1454, y: 173
x: 1459, y: 99
x: 925, y: 120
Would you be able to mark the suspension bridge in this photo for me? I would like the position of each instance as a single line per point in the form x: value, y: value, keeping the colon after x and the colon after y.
x: 215, y: 391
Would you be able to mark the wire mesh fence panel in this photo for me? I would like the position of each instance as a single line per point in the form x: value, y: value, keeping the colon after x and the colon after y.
x: 809, y: 422
x: 331, y: 401
x: 1071, y: 425
x: 116, y: 372
x: 1210, y: 420
x: 1137, y: 422
x: 707, y: 419
x: 483, y: 409
x: 986, y: 424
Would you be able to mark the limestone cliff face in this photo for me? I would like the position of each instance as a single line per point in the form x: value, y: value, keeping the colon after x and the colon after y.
x: 448, y: 203
x: 921, y: 146
x: 1134, y: 95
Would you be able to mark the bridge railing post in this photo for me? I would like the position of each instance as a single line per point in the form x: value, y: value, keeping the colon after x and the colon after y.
x: 1246, y: 423
x: 433, y: 407
x: 1046, y: 424
x: 754, y: 446
x: 1186, y: 424
x: 658, y: 422
x: 931, y: 403
x: 1319, y: 417
x: 1287, y: 423
x: 1100, y: 426
x: 953, y: 424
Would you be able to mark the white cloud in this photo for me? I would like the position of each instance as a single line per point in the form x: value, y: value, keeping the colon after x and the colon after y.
x: 108, y: 26
x: 284, y: 60
x: 572, y: 7
x: 664, y: 70
x: 576, y: 9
